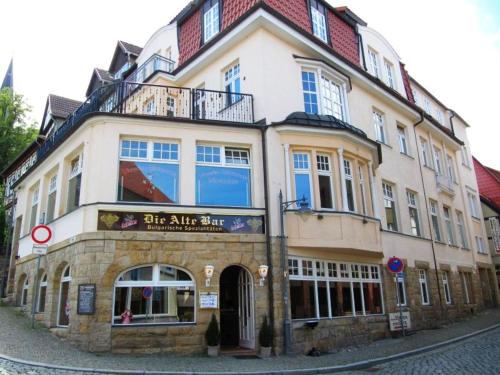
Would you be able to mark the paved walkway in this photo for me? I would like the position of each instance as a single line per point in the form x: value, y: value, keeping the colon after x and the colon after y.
x: 18, y: 340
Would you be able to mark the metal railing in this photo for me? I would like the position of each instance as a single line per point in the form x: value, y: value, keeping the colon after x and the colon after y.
x: 155, y: 63
x: 135, y: 98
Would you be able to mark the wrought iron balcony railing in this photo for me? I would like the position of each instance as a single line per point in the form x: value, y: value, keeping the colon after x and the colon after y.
x: 155, y: 63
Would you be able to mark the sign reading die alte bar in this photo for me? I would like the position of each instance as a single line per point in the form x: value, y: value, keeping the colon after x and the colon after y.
x: 179, y: 222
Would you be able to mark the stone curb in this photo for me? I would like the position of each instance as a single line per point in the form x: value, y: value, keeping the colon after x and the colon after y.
x: 311, y: 371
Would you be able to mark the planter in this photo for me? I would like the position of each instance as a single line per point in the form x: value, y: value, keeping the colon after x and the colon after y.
x: 265, y: 351
x: 213, y: 351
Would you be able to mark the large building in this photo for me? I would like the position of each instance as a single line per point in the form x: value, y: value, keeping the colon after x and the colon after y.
x: 165, y: 190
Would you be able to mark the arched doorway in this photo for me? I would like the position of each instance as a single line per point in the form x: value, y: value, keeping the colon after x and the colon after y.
x: 237, y: 320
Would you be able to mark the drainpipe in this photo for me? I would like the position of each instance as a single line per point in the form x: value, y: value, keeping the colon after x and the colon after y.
x: 268, y: 227
x: 451, y: 122
x: 427, y: 213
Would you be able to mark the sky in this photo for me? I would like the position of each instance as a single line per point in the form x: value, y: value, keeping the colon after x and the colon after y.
x: 452, y: 47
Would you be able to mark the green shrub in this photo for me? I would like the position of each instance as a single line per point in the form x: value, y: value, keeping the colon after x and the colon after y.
x: 212, y: 335
x: 266, y: 334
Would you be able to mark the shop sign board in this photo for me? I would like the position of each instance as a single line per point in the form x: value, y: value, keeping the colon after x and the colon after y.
x: 179, y: 222
x: 209, y: 300
x: 395, y: 321
x: 86, y: 299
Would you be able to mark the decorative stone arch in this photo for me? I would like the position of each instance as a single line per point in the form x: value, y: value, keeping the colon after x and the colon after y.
x: 19, y: 287
x: 54, y: 280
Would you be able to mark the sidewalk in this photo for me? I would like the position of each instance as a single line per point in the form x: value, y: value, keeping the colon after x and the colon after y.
x: 18, y: 340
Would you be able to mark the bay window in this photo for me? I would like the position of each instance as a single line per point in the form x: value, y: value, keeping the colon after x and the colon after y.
x: 390, y: 207
x: 74, y: 183
x: 51, y: 199
x: 325, y: 181
x: 324, y: 289
x: 362, y: 189
x: 348, y: 174
x: 155, y: 294
x: 413, y: 211
x: 318, y: 17
x: 149, y: 171
x: 302, y: 177
x: 223, y: 176
x: 211, y: 19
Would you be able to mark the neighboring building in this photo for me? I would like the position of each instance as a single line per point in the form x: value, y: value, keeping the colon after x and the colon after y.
x: 488, y: 180
x: 174, y: 170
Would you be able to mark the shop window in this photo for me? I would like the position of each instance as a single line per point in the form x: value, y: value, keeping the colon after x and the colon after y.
x: 211, y: 19
x: 318, y: 290
x: 302, y: 177
x: 149, y: 171
x: 223, y: 176
x: 42, y: 294
x: 63, y: 310
x: 156, y: 294
x: 51, y: 199
x: 325, y: 181
x: 74, y: 183
x: 390, y: 207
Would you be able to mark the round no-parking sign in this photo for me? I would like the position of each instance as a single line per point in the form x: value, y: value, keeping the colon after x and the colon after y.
x: 41, y: 234
x: 395, y: 265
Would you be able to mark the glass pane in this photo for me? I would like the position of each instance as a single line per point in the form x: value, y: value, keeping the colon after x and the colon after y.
x: 350, y: 194
x: 167, y: 273
x: 51, y: 204
x: 303, y: 188
x: 223, y: 186
x: 325, y: 192
x: 185, y: 304
x: 302, y: 299
x: 138, y: 274
x: 64, y: 305
x: 138, y: 304
x: 322, y: 299
x: 340, y: 299
x: 356, y: 288
x: 148, y: 182
x: 74, y: 192
x: 41, y: 299
x: 120, y: 301
x: 372, y: 294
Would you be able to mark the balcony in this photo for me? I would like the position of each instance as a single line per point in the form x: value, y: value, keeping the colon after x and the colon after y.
x: 155, y: 63
x: 445, y: 185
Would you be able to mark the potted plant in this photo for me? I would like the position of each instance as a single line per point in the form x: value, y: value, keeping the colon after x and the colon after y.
x: 212, y: 336
x: 265, y: 339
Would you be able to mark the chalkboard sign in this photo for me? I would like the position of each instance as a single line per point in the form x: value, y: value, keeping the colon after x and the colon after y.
x: 86, y: 299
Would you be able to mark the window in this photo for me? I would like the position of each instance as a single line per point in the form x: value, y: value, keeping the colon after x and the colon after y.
x: 389, y: 71
x: 333, y: 95
x: 461, y: 230
x: 473, y: 205
x: 480, y: 245
x: 373, y: 59
x: 211, y: 22
x: 448, y: 220
x: 401, y: 293
x: 403, y: 146
x: 223, y: 176
x: 425, y: 152
x: 349, y: 186
x: 435, y: 220
x: 362, y: 188
x: 302, y: 175
x: 427, y: 105
x: 150, y: 107
x: 172, y: 298
x: 378, y: 122
x: 232, y: 84
x: 42, y: 293
x: 74, y: 183
x: 495, y: 233
x: 437, y: 161
x: 318, y: 16
x: 449, y: 168
x: 465, y: 156
x: 51, y: 199
x: 413, y: 211
x: 149, y: 171
x: 440, y: 116
x: 35, y: 197
x: 466, y: 279
x: 390, y: 207
x: 318, y: 290
x: 24, y: 292
x: 325, y: 181
x: 446, y: 288
x: 424, y: 290
x: 63, y: 310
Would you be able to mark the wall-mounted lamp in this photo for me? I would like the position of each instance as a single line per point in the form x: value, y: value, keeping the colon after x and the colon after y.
x: 209, y: 273
x: 263, y: 273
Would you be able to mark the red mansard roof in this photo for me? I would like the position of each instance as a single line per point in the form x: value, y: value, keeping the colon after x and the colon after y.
x: 488, y: 180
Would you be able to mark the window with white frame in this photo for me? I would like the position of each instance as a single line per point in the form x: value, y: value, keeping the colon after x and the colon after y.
x: 74, y: 183
x: 349, y: 185
x: 51, y: 199
x: 465, y: 156
x: 325, y: 289
x: 411, y: 198
x: 446, y: 288
x: 450, y: 170
x: 438, y: 158
x: 461, y: 230
x: 171, y: 290
x: 325, y: 181
x: 495, y: 233
x: 466, y: 280
x: 318, y: 17
x: 424, y: 290
x: 373, y: 59
x: 35, y: 199
x: 440, y: 116
x: 361, y: 179
x: 401, y: 292
x: 24, y: 292
x: 378, y: 123
x: 403, y: 145
x: 211, y: 19
x: 232, y: 84
x: 481, y: 249
x: 302, y: 176
x: 42, y: 293
x: 64, y: 305
x: 150, y: 107
x: 427, y: 105
x: 474, y: 210
x: 223, y: 175
x: 424, y: 145
x: 148, y: 171
x: 416, y: 96
x: 390, y: 207
x: 435, y: 220
x: 324, y: 93
x: 389, y: 72
x: 448, y: 221
x: 170, y: 102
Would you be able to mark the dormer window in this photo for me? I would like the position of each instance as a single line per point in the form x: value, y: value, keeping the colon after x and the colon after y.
x: 211, y: 19
x: 373, y: 57
x: 318, y: 17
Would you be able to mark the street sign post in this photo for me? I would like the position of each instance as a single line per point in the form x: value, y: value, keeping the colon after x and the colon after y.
x: 397, y: 266
x: 40, y: 234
